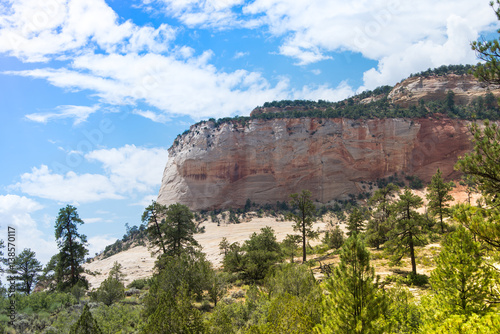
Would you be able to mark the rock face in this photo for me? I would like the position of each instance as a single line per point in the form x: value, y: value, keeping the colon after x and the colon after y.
x: 465, y: 87
x: 267, y: 160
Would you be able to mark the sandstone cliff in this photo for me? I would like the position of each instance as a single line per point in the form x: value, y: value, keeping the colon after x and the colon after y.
x: 433, y: 88
x: 266, y: 160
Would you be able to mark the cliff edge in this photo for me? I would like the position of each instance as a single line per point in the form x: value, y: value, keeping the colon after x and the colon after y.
x: 220, y: 166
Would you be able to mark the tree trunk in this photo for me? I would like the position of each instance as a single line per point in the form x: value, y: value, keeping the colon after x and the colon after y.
x: 412, y: 256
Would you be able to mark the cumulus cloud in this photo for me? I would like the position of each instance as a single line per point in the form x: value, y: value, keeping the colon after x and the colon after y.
x: 98, y: 243
x: 35, y: 30
x: 16, y: 211
x: 413, y: 35
x: 79, y: 113
x: 126, y: 171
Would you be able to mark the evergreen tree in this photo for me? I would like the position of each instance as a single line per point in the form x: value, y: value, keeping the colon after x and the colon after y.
x: 482, y: 164
x: 304, y: 218
x: 355, y: 303
x: 110, y: 291
x: 482, y: 167
x: 408, y: 228
x: 378, y: 227
x: 461, y: 280
x: 439, y: 196
x: 174, y: 314
x: 152, y: 217
x: 116, y: 272
x: 26, y: 270
x: 72, y: 249
x: 86, y: 324
x: 289, y: 245
x: 224, y: 246
x: 262, y: 251
x: 355, y: 222
x: 179, y: 229
x: 489, y: 52
x: 334, y: 237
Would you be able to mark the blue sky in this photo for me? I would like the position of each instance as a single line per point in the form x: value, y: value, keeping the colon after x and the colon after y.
x: 93, y: 92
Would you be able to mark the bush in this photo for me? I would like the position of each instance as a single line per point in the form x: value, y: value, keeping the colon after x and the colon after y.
x: 110, y: 291
x: 140, y: 283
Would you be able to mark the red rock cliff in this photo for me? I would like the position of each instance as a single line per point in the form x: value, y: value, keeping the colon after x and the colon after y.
x: 266, y: 161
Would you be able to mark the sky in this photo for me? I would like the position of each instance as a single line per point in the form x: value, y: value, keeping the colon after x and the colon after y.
x: 94, y: 92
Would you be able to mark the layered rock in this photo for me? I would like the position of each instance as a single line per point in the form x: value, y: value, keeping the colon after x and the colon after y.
x: 434, y: 88
x: 267, y: 160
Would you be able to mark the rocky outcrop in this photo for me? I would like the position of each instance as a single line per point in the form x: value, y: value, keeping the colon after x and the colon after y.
x: 434, y: 88
x: 267, y: 160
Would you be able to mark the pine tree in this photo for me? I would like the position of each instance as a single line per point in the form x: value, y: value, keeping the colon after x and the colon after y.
x: 408, y: 229
x: 355, y: 222
x: 482, y: 166
x: 439, y: 196
x: 289, y: 245
x: 27, y: 269
x: 152, y: 217
x: 72, y: 249
x: 461, y: 280
x: 304, y: 219
x: 178, y: 230
x: 86, y: 324
x: 489, y: 52
x: 378, y: 227
x: 355, y: 302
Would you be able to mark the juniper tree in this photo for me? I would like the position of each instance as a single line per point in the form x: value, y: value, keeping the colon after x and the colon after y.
x: 86, y: 324
x: 355, y: 302
x: 304, y: 218
x: 408, y: 228
x: 439, y: 195
x: 72, y: 251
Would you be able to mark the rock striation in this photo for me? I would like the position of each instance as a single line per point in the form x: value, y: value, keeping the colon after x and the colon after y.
x: 266, y: 160
x: 433, y: 88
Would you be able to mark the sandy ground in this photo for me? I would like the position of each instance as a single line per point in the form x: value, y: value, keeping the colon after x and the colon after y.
x: 138, y: 263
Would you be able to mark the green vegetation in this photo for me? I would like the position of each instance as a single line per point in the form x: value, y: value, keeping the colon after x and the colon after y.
x: 259, y: 292
x: 72, y: 251
x: 303, y: 218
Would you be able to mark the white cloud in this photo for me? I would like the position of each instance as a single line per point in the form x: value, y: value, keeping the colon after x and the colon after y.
x: 98, y: 243
x: 16, y: 211
x: 132, y: 168
x: 410, y: 36
x: 455, y: 49
x: 35, y: 30
x: 324, y: 92
x: 155, y: 117
x: 69, y: 187
x: 79, y: 113
x: 126, y: 171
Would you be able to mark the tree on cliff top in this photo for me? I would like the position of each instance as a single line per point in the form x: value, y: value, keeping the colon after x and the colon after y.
x: 303, y: 217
